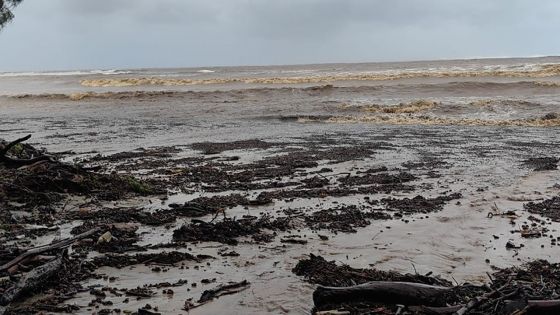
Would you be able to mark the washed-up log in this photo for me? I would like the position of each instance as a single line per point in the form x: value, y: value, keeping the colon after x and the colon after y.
x: 386, y: 292
x: 533, y: 307
x: 530, y: 307
x: 15, y: 163
x: 45, y: 248
x: 543, y: 307
x: 31, y: 281
x: 442, y: 310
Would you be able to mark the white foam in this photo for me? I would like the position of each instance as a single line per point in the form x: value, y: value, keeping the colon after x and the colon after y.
x: 62, y: 73
x: 206, y: 71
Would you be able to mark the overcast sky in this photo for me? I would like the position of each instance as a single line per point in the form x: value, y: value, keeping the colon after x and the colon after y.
x: 106, y: 34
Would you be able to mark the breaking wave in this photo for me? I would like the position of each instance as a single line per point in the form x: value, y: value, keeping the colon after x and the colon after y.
x: 424, y: 112
x: 547, y: 84
x: 402, y: 108
x: 490, y: 104
x: 154, y: 94
x: 550, y: 120
x: 542, y: 71
x: 94, y: 95
x: 63, y: 73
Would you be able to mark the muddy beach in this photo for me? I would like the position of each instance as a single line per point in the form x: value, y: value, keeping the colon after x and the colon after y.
x: 244, y: 201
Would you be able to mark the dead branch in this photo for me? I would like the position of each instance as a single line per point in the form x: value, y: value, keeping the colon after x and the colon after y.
x: 45, y: 248
x: 479, y: 300
x: 209, y: 295
x: 31, y: 280
x: 15, y: 163
x: 10, y: 145
x: 223, y: 290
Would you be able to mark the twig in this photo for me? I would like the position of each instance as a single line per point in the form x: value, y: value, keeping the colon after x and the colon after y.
x: 478, y: 300
x: 489, y: 277
x: 456, y: 282
x: 414, y: 267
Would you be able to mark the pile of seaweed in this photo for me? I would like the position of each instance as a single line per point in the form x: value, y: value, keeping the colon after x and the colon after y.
x: 529, y: 289
x: 549, y: 208
x: 32, y: 179
x: 228, y: 230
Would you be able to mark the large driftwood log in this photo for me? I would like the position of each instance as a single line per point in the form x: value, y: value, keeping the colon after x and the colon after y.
x: 15, y: 163
x: 530, y: 307
x: 45, y: 248
x: 423, y: 298
x: 31, y: 281
x: 386, y: 292
x: 536, y: 307
x: 442, y: 310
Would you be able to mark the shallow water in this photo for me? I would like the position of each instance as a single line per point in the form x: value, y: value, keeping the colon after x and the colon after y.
x: 482, y: 126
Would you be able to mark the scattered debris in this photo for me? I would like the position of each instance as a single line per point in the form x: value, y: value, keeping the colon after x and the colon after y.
x: 542, y: 163
x: 106, y: 234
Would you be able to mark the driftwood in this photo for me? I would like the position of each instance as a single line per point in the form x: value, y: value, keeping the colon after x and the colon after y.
x: 231, y: 288
x: 209, y: 295
x: 427, y: 299
x: 31, y: 281
x: 535, y: 307
x: 530, y: 307
x: 45, y: 248
x: 442, y: 310
x: 479, y: 300
x: 386, y: 292
x: 15, y: 163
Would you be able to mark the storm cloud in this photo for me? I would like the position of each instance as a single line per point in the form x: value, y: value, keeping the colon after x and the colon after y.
x: 85, y: 34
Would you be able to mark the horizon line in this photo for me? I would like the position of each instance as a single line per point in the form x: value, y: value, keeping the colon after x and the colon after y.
x: 286, y: 65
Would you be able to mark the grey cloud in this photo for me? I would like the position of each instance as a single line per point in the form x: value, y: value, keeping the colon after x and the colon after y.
x: 147, y: 33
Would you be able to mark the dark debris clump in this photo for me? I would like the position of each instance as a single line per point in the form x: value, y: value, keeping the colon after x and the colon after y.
x: 228, y: 230
x: 549, y: 208
x: 120, y: 261
x: 542, y: 163
x: 418, y: 204
x: 318, y: 270
x: 219, y: 147
x: 343, y: 219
